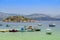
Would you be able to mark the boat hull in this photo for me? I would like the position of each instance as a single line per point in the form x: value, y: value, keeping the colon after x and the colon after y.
x: 51, y: 25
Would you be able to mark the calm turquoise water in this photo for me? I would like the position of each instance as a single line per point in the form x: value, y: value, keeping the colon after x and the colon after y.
x: 31, y: 35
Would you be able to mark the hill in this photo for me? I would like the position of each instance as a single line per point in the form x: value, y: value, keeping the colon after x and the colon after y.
x: 36, y: 16
x: 18, y: 19
x: 41, y: 17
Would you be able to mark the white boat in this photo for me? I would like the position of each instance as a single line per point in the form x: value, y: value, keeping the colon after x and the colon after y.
x: 48, y: 31
x: 39, y: 24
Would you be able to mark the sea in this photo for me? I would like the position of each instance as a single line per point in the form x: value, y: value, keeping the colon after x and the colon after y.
x: 40, y: 35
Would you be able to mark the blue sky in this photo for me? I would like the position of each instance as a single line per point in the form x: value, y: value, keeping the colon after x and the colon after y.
x: 49, y: 7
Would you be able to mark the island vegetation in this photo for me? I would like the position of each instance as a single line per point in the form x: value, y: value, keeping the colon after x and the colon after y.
x: 17, y: 19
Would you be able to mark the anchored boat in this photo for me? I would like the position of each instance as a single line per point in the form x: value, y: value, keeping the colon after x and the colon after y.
x: 7, y: 25
x: 39, y: 24
x: 52, y: 25
x: 48, y: 31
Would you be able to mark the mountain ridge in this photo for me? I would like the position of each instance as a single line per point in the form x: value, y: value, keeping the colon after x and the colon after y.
x: 35, y: 16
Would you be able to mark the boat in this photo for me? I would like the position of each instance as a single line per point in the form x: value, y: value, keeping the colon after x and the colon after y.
x: 39, y: 24
x: 37, y: 29
x: 4, y: 30
x: 30, y: 29
x: 48, y: 31
x: 52, y: 25
x: 22, y: 29
x: 13, y: 30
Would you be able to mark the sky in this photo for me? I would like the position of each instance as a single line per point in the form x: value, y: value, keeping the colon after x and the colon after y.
x: 26, y: 7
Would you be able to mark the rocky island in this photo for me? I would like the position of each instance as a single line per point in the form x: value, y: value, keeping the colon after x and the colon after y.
x: 18, y: 19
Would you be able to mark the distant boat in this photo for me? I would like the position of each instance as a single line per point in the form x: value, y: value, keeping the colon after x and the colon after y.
x: 48, y: 31
x: 52, y: 25
x: 7, y: 25
x: 13, y: 30
x: 30, y: 30
x: 37, y: 29
x: 22, y: 29
x: 39, y: 24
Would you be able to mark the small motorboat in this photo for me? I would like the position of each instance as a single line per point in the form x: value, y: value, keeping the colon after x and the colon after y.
x: 13, y: 30
x: 30, y: 30
x: 52, y: 25
x: 37, y: 29
x: 48, y: 31
x: 39, y: 24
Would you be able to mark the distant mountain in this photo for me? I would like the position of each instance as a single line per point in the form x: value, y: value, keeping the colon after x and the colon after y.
x: 57, y: 17
x: 41, y: 17
x: 36, y: 16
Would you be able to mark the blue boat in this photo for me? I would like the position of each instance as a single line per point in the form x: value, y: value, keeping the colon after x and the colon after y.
x: 22, y: 29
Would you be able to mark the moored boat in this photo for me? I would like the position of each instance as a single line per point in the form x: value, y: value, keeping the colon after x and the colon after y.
x: 52, y: 25
x: 7, y: 25
x: 13, y: 30
x: 39, y: 24
x: 48, y: 31
x: 37, y: 29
